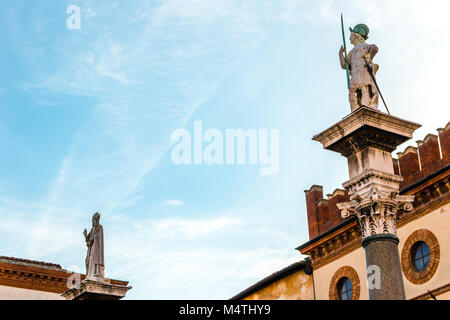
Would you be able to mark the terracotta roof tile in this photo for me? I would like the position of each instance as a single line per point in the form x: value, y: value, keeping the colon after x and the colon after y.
x: 31, y: 263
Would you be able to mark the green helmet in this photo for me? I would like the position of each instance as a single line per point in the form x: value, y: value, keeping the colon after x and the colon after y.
x: 361, y: 29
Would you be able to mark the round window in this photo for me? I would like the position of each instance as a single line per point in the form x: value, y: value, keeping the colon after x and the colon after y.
x: 345, y: 289
x: 420, y: 255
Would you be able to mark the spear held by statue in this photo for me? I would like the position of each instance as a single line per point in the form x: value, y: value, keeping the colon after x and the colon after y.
x: 360, y: 72
x: 370, y: 69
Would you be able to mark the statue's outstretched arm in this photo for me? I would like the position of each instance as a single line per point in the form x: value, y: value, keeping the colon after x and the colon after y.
x: 86, y: 237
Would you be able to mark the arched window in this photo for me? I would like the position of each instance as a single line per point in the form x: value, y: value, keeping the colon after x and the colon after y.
x: 344, y: 284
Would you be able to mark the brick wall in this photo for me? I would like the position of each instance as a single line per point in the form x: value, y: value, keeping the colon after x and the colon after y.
x: 416, y: 163
x: 313, y: 195
x: 323, y: 214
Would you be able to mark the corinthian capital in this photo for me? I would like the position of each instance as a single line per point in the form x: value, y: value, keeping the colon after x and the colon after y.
x: 376, y: 211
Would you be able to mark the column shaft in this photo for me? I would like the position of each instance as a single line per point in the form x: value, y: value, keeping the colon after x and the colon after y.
x: 382, y: 252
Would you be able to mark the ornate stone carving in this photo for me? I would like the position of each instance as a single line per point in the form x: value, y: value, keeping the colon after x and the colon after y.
x: 423, y: 204
x: 334, y: 247
x: 375, y: 201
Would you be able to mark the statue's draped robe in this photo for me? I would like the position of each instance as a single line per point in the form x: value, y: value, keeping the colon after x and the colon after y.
x: 95, y: 256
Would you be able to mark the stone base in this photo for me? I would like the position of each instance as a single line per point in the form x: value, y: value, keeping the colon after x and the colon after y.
x: 98, y: 289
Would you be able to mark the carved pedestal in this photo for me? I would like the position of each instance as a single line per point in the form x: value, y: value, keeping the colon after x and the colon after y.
x: 366, y: 138
x: 99, y: 289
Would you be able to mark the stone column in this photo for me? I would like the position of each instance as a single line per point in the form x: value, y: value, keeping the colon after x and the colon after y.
x: 366, y: 138
x: 375, y: 202
x: 381, y: 250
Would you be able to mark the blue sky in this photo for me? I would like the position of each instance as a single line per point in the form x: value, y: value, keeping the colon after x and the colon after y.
x: 86, y: 118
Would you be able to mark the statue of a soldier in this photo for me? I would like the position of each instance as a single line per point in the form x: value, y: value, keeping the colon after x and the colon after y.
x: 95, y: 262
x: 362, y: 90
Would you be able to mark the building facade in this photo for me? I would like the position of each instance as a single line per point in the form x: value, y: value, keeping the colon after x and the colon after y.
x: 336, y: 257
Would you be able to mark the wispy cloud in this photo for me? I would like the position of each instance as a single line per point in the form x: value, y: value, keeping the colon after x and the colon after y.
x: 132, y: 120
x: 192, y: 247
x: 174, y: 203
x: 147, y: 75
x: 188, y: 228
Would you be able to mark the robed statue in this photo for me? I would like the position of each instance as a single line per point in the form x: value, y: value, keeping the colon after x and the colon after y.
x: 95, y: 262
x: 363, y: 89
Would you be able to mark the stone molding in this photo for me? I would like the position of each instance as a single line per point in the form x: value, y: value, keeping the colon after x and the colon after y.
x: 99, y: 289
x: 36, y: 278
x: 370, y: 176
x: 409, y: 271
x: 336, y: 246
x: 436, y: 292
x: 428, y: 198
x: 352, y: 275
x: 380, y: 237
x: 33, y: 278
x: 397, y: 129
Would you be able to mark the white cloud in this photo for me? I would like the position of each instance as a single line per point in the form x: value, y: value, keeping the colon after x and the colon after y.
x: 89, y: 13
x: 174, y: 203
x: 186, y: 254
x: 189, y: 228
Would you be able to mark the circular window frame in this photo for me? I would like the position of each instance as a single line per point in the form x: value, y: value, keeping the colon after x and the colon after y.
x: 410, y: 272
x: 345, y: 272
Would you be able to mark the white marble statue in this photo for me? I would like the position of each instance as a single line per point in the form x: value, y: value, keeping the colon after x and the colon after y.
x: 362, y: 91
x: 95, y: 262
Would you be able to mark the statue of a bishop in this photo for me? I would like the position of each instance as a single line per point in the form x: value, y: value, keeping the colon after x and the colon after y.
x: 95, y: 262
